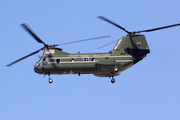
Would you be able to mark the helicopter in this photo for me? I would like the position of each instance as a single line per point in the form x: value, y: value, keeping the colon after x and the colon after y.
x: 128, y: 51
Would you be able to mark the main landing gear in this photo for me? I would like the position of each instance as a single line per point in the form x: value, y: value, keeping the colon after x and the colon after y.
x: 112, y: 80
x: 50, y: 80
x: 115, y: 70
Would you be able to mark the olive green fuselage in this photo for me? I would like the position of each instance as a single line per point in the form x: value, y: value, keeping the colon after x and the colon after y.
x: 127, y: 51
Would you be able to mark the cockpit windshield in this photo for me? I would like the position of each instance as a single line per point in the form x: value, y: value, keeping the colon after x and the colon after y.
x: 43, y: 59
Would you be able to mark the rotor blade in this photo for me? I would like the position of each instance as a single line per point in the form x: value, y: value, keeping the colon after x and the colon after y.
x: 159, y: 28
x: 30, y: 31
x: 103, y: 18
x: 24, y: 57
x: 106, y: 44
x: 83, y: 40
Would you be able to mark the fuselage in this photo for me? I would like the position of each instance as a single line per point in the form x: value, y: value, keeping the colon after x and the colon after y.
x: 55, y: 61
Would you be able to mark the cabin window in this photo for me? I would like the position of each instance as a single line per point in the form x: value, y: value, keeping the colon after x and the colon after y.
x: 58, y: 60
x: 72, y: 59
x: 93, y: 59
x: 85, y: 59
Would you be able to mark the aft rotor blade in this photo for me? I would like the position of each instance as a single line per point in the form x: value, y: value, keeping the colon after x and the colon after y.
x: 30, y: 31
x: 83, y: 40
x: 24, y: 57
x: 105, y: 19
x: 159, y: 28
x: 106, y: 44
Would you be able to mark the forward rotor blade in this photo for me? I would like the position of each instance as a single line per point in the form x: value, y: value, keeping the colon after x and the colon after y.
x: 24, y: 57
x: 159, y: 28
x: 83, y: 40
x: 30, y: 31
x: 106, y: 44
x: 105, y: 19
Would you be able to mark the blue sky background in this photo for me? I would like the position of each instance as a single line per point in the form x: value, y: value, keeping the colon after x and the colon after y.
x: 147, y: 91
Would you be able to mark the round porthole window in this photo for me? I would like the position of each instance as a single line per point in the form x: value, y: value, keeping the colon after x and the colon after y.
x: 58, y: 60
x: 93, y: 59
x: 72, y: 59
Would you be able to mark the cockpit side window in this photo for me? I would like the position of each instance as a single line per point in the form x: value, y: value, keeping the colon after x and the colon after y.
x: 47, y: 59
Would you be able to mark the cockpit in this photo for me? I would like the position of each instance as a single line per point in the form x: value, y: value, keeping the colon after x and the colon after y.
x: 39, y: 64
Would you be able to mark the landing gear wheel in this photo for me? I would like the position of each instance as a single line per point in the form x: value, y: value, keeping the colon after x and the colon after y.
x: 50, y: 80
x: 115, y: 70
x: 112, y: 80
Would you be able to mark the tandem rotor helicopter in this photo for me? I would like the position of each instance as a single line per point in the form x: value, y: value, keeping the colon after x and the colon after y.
x: 128, y: 51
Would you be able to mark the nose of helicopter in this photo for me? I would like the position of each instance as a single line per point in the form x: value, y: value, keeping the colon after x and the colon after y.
x: 37, y: 68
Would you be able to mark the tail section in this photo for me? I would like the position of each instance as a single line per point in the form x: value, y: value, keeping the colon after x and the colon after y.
x: 135, y: 45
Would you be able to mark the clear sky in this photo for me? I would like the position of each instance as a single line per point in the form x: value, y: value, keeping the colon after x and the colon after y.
x: 147, y: 91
